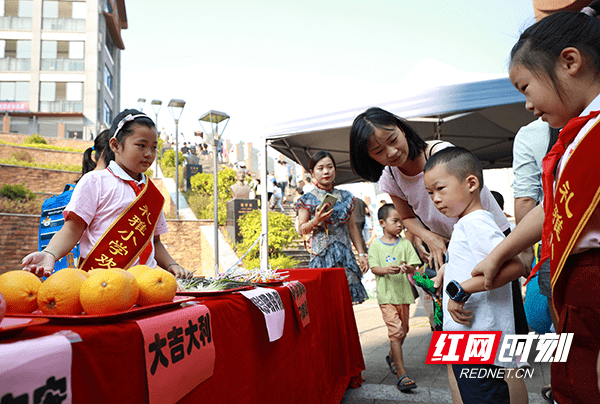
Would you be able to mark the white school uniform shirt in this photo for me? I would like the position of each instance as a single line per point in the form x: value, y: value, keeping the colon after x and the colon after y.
x: 99, y: 198
x: 590, y: 235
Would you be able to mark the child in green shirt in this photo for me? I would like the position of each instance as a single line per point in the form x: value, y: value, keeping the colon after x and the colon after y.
x: 391, y: 257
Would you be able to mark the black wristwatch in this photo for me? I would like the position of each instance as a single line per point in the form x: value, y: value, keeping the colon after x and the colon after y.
x: 456, y: 292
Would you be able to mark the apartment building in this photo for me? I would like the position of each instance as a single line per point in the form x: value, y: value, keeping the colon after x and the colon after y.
x: 60, y: 63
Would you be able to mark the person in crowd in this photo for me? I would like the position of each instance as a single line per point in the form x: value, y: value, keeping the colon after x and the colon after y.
x: 331, y: 227
x: 94, y: 158
x: 299, y: 193
x: 271, y: 184
x: 453, y: 178
x: 531, y: 144
x: 185, y: 149
x: 308, y: 185
x: 391, y: 258
x: 555, y: 64
x: 359, y: 216
x: 281, y: 174
x: 276, y: 198
x: 386, y: 148
x: 101, y: 198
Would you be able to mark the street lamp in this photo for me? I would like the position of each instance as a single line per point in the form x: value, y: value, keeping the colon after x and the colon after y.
x: 215, y: 117
x: 141, y: 103
x: 156, y: 104
x: 176, y: 108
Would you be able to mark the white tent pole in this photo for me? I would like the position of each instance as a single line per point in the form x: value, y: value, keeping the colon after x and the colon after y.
x: 264, y: 201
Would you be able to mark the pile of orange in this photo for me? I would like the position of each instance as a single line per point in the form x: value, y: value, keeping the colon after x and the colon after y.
x: 73, y: 291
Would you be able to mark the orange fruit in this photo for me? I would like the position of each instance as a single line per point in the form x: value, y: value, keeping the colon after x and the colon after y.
x: 59, y: 294
x: 106, y: 291
x: 156, y: 286
x: 20, y: 289
x: 138, y: 270
x: 135, y: 289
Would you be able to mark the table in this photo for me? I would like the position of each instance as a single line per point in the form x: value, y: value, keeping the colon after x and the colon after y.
x: 311, y: 365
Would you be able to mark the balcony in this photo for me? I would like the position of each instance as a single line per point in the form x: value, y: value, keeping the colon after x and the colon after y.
x: 62, y: 65
x: 11, y: 22
x: 63, y: 24
x: 61, y: 106
x: 15, y: 65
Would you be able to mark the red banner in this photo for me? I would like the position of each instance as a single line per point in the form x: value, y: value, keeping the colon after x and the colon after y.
x: 179, y: 349
x: 13, y: 106
x: 129, y: 234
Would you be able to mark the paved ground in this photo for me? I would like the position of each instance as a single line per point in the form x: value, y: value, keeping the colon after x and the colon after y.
x: 379, y: 386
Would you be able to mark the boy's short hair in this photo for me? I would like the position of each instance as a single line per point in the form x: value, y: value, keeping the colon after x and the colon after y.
x: 384, y: 211
x: 459, y: 162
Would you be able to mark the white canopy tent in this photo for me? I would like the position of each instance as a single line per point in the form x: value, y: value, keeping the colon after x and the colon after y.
x: 482, y: 116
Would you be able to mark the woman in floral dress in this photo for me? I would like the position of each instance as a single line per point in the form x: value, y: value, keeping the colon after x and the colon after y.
x: 332, y: 229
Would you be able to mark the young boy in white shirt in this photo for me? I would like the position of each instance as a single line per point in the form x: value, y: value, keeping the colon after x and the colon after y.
x: 454, y: 178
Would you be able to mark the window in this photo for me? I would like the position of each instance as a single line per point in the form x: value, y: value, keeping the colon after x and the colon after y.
x: 15, y: 55
x: 47, y: 91
x: 64, y: 9
x: 11, y: 48
x: 18, y: 8
x: 108, y: 78
x: 107, y: 114
x: 62, y: 56
x: 74, y: 91
x: 14, y: 91
x: 64, y: 15
x: 61, y: 97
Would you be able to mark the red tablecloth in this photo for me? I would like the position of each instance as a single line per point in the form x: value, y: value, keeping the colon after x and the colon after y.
x: 311, y: 365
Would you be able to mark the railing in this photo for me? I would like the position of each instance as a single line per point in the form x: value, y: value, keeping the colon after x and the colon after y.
x: 61, y: 106
x: 60, y: 65
x: 63, y: 24
x: 15, y: 65
x: 11, y: 22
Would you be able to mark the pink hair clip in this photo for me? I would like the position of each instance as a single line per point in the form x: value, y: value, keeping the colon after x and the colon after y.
x: 123, y: 121
x: 589, y: 11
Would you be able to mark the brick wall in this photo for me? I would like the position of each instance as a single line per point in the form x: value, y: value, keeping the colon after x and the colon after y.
x: 37, y: 179
x: 18, y: 237
x: 184, y: 242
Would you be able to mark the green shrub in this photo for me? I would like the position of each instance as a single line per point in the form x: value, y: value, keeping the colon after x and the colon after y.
x: 281, y: 234
x: 22, y: 155
x: 21, y: 207
x: 35, y: 139
x: 200, y: 197
x: 168, y: 159
x: 17, y: 192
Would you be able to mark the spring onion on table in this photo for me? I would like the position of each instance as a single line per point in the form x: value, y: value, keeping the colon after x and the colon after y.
x: 209, y: 284
x: 234, y: 279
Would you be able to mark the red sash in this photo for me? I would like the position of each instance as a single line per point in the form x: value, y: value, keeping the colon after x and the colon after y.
x: 130, y: 234
x: 577, y: 193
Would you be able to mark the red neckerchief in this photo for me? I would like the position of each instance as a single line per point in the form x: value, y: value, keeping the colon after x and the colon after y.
x: 549, y: 164
x: 145, y: 255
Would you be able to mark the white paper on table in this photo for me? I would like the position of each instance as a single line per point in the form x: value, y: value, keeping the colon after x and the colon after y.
x: 270, y: 304
x: 39, y: 368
